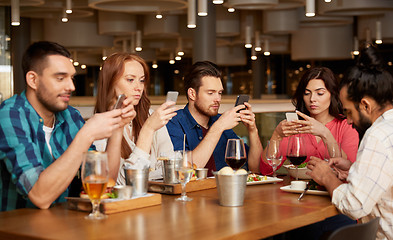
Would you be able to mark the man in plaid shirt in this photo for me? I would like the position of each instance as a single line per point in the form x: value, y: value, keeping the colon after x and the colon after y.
x: 367, y: 97
x: 42, y: 138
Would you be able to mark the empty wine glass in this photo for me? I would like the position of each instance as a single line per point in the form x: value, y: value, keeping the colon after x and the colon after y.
x: 235, y: 153
x: 296, y: 152
x: 273, y: 155
x: 184, y: 171
x: 95, y: 176
x: 332, y: 150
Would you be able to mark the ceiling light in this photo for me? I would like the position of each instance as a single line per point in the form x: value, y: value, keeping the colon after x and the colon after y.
x: 231, y: 10
x: 68, y: 7
x: 310, y: 8
x: 177, y: 58
x: 159, y: 15
x: 253, y: 54
x: 171, y: 58
x: 104, y: 54
x: 75, y: 58
x: 328, y: 1
x: 191, y: 16
x: 180, y: 51
x: 15, y: 13
x: 266, y: 47
x: 258, y: 47
x: 355, y: 46
x: 64, y: 18
x: 378, y: 32
x: 83, y: 66
x: 218, y: 1
x: 154, y: 65
x: 202, y: 8
x: 248, y: 43
x: 138, y: 44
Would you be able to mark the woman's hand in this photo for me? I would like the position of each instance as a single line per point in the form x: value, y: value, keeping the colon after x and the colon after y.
x: 161, y: 116
x: 310, y: 125
x: 286, y: 129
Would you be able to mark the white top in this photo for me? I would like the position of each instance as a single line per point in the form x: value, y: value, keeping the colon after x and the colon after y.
x: 369, y: 191
x: 161, y: 144
x: 48, y: 134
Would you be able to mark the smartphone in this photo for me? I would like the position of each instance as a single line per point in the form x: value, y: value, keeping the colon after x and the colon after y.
x: 291, y: 116
x: 119, y: 101
x: 172, y: 96
x: 241, y: 99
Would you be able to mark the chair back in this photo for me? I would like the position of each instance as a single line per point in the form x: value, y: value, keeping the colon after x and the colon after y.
x: 362, y: 231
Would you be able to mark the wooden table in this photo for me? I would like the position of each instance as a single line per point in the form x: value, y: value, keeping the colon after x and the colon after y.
x: 267, y: 211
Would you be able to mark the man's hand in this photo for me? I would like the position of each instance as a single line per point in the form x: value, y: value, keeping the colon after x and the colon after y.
x: 341, y: 166
x: 128, y: 113
x: 229, y: 119
x: 101, y: 125
x: 323, y: 174
x: 248, y: 117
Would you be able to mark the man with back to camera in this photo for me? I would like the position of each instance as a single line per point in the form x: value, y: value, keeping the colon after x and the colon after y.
x: 207, y: 131
x: 42, y: 138
x: 367, y: 98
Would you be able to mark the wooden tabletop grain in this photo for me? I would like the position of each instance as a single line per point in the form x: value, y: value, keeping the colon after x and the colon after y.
x: 267, y: 211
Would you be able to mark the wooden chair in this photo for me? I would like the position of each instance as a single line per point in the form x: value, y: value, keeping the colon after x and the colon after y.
x: 362, y: 231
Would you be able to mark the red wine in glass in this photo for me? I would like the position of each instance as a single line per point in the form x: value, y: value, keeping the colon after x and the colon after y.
x: 235, y: 153
x: 297, y: 160
x: 296, y: 152
x: 234, y: 162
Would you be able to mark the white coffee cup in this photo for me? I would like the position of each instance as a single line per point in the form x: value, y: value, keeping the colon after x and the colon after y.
x: 298, y: 185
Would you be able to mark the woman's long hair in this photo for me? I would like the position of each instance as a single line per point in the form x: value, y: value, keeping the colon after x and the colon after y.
x: 331, y: 84
x: 110, y: 74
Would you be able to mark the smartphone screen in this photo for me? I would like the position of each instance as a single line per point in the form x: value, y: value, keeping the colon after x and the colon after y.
x: 119, y: 101
x: 291, y: 116
x: 172, y: 96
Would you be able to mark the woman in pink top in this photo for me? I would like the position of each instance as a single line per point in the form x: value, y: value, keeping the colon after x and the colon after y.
x: 317, y: 102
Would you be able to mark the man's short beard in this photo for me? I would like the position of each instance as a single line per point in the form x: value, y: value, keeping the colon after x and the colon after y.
x: 204, y: 112
x: 42, y: 94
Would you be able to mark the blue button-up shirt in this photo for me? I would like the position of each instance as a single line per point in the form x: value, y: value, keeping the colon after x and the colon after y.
x: 24, y: 153
x: 184, y: 123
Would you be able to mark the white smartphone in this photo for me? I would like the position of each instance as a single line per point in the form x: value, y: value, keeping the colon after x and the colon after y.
x: 119, y: 101
x: 172, y: 96
x: 291, y: 116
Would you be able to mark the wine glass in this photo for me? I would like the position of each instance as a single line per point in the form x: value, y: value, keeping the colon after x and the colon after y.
x: 332, y: 150
x: 296, y: 152
x: 184, y: 170
x: 95, y: 176
x: 235, y: 153
x: 273, y: 155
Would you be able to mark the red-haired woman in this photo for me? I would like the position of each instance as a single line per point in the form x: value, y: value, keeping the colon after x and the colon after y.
x: 145, y: 136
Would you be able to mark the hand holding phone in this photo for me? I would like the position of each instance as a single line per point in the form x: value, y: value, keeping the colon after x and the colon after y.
x: 172, y: 96
x: 241, y: 99
x: 119, y: 101
x: 291, y: 116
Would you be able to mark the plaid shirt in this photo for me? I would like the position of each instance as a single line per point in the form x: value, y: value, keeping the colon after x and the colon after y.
x: 24, y: 153
x: 369, y: 192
